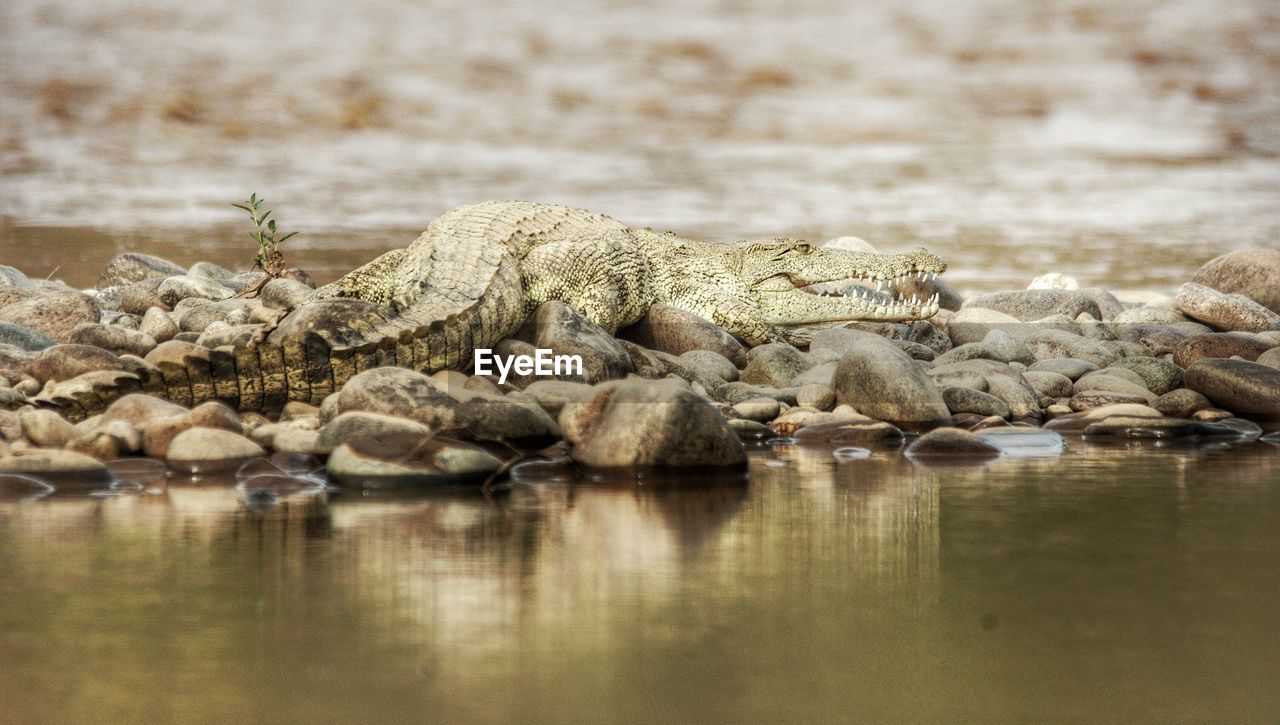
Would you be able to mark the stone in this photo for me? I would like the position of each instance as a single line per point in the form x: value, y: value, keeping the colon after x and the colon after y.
x: 860, y: 431
x: 880, y: 381
x: 1230, y: 312
x: 53, y: 315
x: 817, y: 375
x: 734, y: 393
x: 133, y: 267
x: 775, y: 363
x: 107, y: 441
x: 817, y: 396
x: 1078, y: 421
x: 1022, y: 399
x: 24, y: 338
x: 63, y: 362
x: 649, y: 424
x: 13, y: 277
x: 1049, y: 384
x: 209, y: 270
x: 158, y: 325
x: 758, y: 409
x: 1242, y: 387
x: 196, y: 314
x: 655, y: 365
x: 1218, y: 344
x: 750, y: 430
x: 676, y: 331
x: 1049, y: 344
x: 175, y: 289
x: 112, y: 338
x: 142, y: 296
x: 1101, y: 399
x: 973, y: 324
x: 960, y: 374
x: 710, y: 364
x: 283, y: 293
x: 553, y: 395
x: 350, y: 426
x: 1143, y: 427
x: 61, y: 467
x: 1148, y: 316
x: 1158, y: 375
x: 202, y: 450
x: 924, y: 332
x: 405, y: 460
x: 1270, y: 358
x: 558, y: 327
x: 1157, y: 339
x: 951, y: 443
x: 1007, y: 348
x: 1100, y: 383
x: 1107, y: 303
x: 1036, y: 304
x: 138, y: 409
x: 45, y: 428
x: 219, y: 334
x: 967, y: 400
x: 1181, y: 403
x: 1254, y: 273
x: 970, y: 351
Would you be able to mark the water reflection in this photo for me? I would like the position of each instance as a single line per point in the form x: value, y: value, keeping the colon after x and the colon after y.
x: 811, y: 586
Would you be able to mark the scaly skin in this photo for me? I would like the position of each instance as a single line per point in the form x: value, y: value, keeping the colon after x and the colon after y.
x: 474, y: 276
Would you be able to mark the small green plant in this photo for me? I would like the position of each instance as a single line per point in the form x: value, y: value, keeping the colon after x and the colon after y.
x: 270, y: 259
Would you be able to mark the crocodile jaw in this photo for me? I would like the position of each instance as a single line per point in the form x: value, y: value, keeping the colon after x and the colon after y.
x: 787, y: 302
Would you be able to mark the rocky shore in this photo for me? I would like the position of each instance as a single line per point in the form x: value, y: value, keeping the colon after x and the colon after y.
x: 672, y: 392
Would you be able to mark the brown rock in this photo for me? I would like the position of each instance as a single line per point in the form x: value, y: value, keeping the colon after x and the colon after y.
x: 1217, y: 344
x: 55, y: 315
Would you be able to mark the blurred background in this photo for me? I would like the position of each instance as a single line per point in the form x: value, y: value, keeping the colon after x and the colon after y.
x: 1121, y: 143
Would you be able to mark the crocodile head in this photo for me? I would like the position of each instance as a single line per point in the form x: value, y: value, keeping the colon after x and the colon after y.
x: 780, y: 274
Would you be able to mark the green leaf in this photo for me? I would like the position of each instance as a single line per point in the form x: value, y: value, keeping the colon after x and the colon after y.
x: 271, y: 225
x: 290, y: 234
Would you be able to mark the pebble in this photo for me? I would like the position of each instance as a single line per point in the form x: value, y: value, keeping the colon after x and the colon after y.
x: 775, y: 363
x: 133, y: 267
x: 675, y: 331
x: 201, y: 450
x: 1102, y: 383
x: 23, y: 337
x: 1048, y: 383
x: 966, y: 400
x: 1181, y: 403
x: 881, y: 381
x: 710, y: 364
x: 112, y: 338
x: 558, y: 327
x: 1218, y: 344
x: 1231, y: 312
x: 401, y: 460
x: 1157, y: 374
x: 45, y: 428
x: 1036, y: 304
x: 757, y: 409
x: 65, y: 467
x: 1124, y: 427
x: 64, y: 362
x: 158, y: 325
x: 951, y: 444
x: 651, y: 424
x: 1022, y: 399
x: 352, y: 425
x: 283, y: 293
x: 973, y: 324
x: 816, y: 395
x: 1047, y: 344
x: 862, y: 431
x: 1240, y: 386
x: 750, y: 430
x: 1270, y: 358
x: 54, y: 315
x: 1254, y: 273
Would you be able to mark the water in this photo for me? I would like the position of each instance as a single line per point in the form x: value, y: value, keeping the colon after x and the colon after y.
x: 1123, y: 143
x: 1110, y: 583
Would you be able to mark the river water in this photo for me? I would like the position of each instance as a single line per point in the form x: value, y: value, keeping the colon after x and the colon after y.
x: 1104, y: 584
x: 1123, y: 143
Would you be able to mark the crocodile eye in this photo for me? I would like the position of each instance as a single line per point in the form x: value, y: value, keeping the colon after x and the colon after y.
x: 342, y: 293
x: 803, y: 247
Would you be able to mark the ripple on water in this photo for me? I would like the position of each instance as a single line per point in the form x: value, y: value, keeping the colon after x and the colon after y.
x: 850, y: 453
x: 18, y: 487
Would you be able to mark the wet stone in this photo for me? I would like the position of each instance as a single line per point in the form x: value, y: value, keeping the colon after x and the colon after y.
x: 61, y: 467
x: 400, y: 460
x: 1122, y: 427
x: 862, y: 431
x: 877, y: 379
x: 202, y: 450
x: 750, y: 430
x: 952, y: 444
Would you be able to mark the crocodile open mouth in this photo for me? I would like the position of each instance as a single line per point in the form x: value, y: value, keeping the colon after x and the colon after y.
x: 879, y: 294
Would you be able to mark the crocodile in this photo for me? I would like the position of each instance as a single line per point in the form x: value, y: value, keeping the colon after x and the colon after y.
x: 475, y: 275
